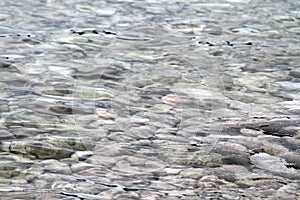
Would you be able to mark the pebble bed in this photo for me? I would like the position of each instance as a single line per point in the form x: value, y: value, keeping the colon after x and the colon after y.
x: 150, y: 99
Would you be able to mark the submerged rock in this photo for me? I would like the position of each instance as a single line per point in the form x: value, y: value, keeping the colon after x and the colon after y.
x: 55, y: 147
x: 36, y: 149
x: 149, y: 99
x: 275, y: 165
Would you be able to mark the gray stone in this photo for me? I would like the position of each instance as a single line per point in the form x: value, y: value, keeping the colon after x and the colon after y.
x: 274, y: 165
x: 149, y: 99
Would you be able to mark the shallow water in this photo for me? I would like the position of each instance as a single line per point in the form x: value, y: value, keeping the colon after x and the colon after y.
x: 149, y: 100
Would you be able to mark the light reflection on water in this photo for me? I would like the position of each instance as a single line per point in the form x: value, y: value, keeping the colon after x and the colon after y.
x: 148, y: 84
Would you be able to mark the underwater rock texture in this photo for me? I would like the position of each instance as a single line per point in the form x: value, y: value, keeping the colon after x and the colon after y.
x: 149, y: 99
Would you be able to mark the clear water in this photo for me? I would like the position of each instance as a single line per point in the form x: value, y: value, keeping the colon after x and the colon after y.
x: 140, y: 84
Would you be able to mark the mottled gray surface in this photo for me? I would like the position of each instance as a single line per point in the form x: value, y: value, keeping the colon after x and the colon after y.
x: 150, y: 99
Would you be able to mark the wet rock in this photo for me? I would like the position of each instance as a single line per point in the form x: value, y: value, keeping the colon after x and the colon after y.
x: 82, y: 155
x: 142, y: 132
x: 56, y: 147
x: 172, y: 171
x: 74, y: 143
x: 193, y: 173
x: 12, y: 189
x: 290, y: 190
x: 235, y: 169
x: 161, y: 184
x: 78, y: 186
x: 293, y: 160
x: 62, y: 110
x: 4, y: 66
x: 55, y: 166
x: 106, y: 11
x: 207, y: 182
x: 105, y: 114
x: 157, y: 101
x: 232, y: 153
x: 213, y: 30
x: 225, y: 175
x: 274, y: 165
x: 289, y: 85
x: 277, y: 127
x: 65, y: 71
x: 40, y: 150
x: 174, y: 100
x: 245, y: 30
x: 295, y: 73
x: 195, y: 159
x: 12, y: 166
x: 6, y: 135
x: 120, y: 136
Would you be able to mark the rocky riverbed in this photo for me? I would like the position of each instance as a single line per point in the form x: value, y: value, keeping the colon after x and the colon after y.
x: 150, y: 99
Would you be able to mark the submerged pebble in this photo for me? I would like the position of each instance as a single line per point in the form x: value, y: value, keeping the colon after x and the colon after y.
x: 149, y: 100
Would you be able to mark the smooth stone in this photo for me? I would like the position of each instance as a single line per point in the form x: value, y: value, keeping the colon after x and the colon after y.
x: 5, y: 135
x: 66, y: 71
x: 161, y: 184
x: 80, y: 166
x: 82, y: 155
x: 55, y: 166
x: 274, y: 164
x: 194, y: 130
x: 112, y: 150
x: 128, y: 195
x: 290, y: 190
x: 252, y: 81
x: 84, y: 186
x: 120, y: 136
x: 69, y: 39
x: 235, y: 169
x: 4, y: 17
x: 224, y: 175
x: 295, y: 73
x: 251, y: 132
x: 12, y: 189
x: 195, y: 159
x: 172, y: 171
x: 208, y: 181
x: 105, y: 114
x: 105, y: 161
x: 124, y: 166
x: 232, y: 153
x: 193, y: 173
x: 245, y: 30
x: 5, y: 66
x: 45, y: 179
x: 213, y: 30
x: 40, y: 150
x: 72, y: 143
x: 256, y: 180
x: 291, y: 144
x: 292, y: 158
x: 142, y: 132
x: 155, y: 9
x: 83, y: 7
x: 9, y: 170
x: 106, y: 11
x: 139, y: 120
x: 174, y: 100
x: 289, y: 85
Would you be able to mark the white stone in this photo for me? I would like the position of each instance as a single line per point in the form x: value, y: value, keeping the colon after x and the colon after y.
x: 271, y: 163
x: 108, y: 11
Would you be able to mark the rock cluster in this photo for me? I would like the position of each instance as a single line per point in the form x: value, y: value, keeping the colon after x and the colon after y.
x: 150, y: 99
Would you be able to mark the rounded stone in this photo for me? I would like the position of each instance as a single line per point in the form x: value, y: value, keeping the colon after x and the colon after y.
x: 106, y: 11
